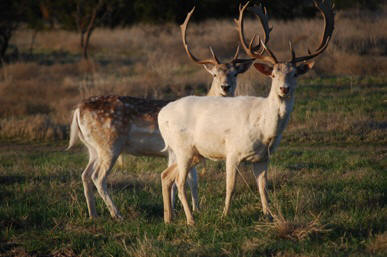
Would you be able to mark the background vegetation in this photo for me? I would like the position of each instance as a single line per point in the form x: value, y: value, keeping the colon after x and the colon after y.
x: 327, y: 181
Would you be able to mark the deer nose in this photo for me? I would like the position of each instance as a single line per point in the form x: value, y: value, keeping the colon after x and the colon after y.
x: 226, y: 87
x: 284, y: 90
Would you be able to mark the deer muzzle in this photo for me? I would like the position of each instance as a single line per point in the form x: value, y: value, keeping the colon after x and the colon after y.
x: 226, y: 88
x: 284, y: 90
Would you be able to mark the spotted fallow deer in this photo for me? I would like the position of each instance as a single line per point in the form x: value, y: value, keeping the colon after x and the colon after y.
x: 109, y: 125
x: 239, y: 129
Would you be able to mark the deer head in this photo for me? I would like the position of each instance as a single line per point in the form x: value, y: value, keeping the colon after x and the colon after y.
x: 284, y: 73
x: 224, y: 74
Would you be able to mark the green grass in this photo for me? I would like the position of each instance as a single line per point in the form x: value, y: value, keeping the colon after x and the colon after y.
x: 43, y: 211
x: 327, y: 189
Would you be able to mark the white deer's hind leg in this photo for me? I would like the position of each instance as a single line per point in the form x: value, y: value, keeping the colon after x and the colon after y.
x: 231, y: 165
x: 171, y: 161
x: 168, y: 177
x: 182, y: 164
x: 88, y: 187
x: 192, y: 180
x: 105, y: 163
x: 260, y: 173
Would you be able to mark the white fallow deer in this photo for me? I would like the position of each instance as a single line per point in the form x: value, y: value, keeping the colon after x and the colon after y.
x: 110, y: 125
x: 239, y: 129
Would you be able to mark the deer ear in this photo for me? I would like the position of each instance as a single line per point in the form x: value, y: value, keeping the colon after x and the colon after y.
x: 263, y: 68
x: 244, y: 66
x: 304, y: 68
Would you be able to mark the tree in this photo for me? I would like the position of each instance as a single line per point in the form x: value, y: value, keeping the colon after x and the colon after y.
x: 9, y: 21
x: 86, y: 18
x: 80, y: 15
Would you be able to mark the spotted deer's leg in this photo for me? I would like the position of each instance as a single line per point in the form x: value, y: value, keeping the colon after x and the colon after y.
x: 120, y: 161
x: 260, y: 173
x: 173, y: 194
x: 88, y: 186
x: 105, y: 162
x: 192, y: 180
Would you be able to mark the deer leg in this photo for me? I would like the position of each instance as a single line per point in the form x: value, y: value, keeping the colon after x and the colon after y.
x: 173, y: 194
x: 168, y: 177
x: 88, y: 187
x: 120, y: 161
x: 260, y: 173
x: 105, y: 164
x: 180, y: 182
x: 171, y: 161
x: 192, y: 180
x: 231, y: 165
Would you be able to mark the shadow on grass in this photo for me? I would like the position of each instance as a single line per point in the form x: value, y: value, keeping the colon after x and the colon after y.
x: 144, y: 201
x: 12, y: 179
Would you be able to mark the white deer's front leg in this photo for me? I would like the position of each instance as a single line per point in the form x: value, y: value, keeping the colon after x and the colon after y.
x: 260, y: 173
x: 231, y: 166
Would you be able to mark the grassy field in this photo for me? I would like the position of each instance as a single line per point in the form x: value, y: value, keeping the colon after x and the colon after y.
x: 327, y: 180
x: 327, y: 186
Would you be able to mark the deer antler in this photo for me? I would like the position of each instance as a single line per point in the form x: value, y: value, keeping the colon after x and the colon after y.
x: 326, y: 8
x: 250, y: 50
x: 214, y: 60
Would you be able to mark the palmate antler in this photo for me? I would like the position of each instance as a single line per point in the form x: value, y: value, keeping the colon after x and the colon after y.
x: 326, y: 8
x: 213, y: 60
x: 258, y: 50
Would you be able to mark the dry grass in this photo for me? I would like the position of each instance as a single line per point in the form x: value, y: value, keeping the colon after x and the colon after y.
x: 144, y: 247
x: 300, y: 227
x: 378, y: 244
x: 149, y: 61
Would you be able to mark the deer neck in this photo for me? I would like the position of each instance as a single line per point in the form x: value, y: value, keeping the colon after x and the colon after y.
x: 280, y: 106
x: 275, y: 116
x: 212, y: 91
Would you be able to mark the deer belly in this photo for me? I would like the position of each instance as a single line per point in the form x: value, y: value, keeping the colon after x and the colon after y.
x: 256, y: 152
x: 145, y: 141
x: 256, y: 157
x: 211, y: 151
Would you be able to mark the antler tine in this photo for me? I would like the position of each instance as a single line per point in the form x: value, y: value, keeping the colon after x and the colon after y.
x: 183, y: 28
x: 292, y: 51
x: 250, y: 50
x: 214, y: 55
x: 239, y: 23
x: 270, y: 58
x: 326, y: 9
x: 235, y: 58
x: 263, y: 17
